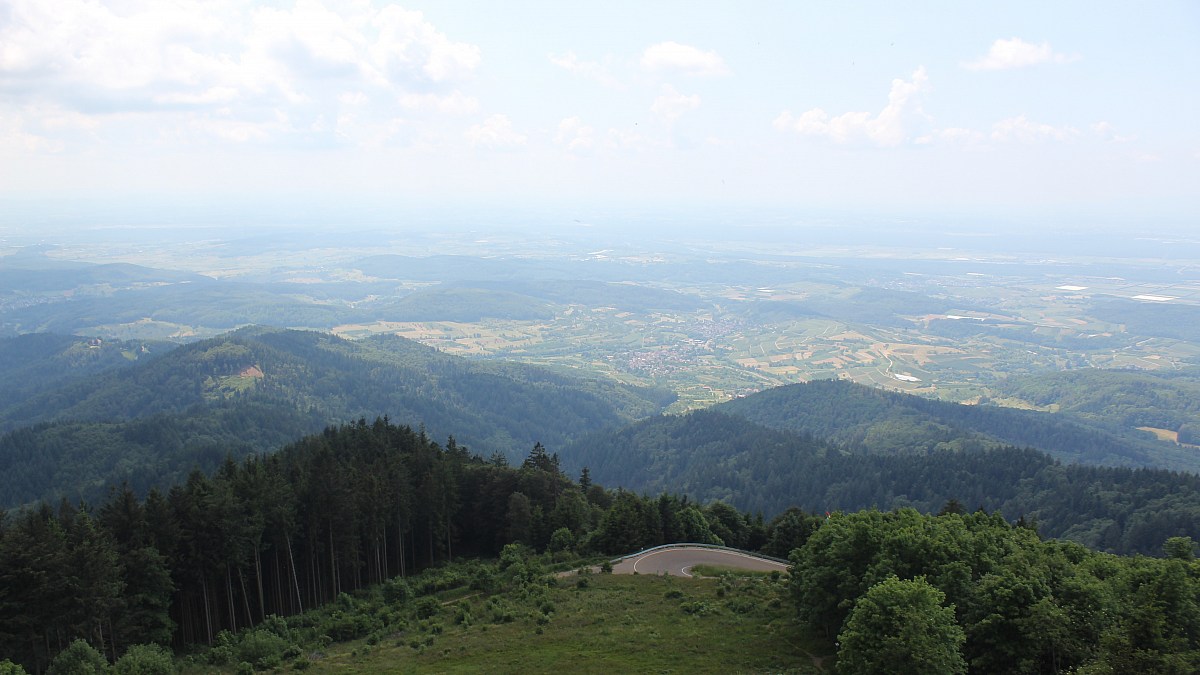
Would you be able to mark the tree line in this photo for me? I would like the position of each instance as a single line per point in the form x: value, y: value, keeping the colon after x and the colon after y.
x: 331, y: 514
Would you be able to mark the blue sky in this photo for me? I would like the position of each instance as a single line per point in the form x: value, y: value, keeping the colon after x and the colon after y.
x: 968, y: 108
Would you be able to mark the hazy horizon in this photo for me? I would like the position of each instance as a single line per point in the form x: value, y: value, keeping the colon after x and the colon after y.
x: 677, y: 116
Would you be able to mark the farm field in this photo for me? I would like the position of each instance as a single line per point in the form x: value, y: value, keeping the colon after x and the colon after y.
x: 709, y: 356
x: 737, y: 318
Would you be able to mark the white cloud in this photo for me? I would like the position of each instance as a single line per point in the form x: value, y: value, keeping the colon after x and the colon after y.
x: 496, y: 132
x: 1016, y: 53
x: 15, y: 139
x: 240, y: 129
x: 55, y: 117
x: 890, y: 127
x: 621, y: 139
x: 591, y: 70
x: 958, y: 136
x: 575, y: 135
x: 1109, y: 133
x: 671, y: 105
x: 405, y: 39
x: 223, y: 66
x: 683, y: 58
x: 1022, y: 130
x: 455, y: 103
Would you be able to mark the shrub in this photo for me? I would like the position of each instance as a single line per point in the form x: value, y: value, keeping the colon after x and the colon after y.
x: 742, y: 605
x: 427, y: 607
x: 697, y: 608
x: 261, y: 649
x: 145, y: 660
x: 512, y: 553
x: 561, y: 540
x: 277, y: 625
x: 79, y: 658
x: 483, y: 579
x: 342, y: 626
x: 396, y: 591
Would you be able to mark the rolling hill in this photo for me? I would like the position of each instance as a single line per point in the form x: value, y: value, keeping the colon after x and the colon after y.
x: 255, y: 389
x: 708, y: 455
x: 871, y: 420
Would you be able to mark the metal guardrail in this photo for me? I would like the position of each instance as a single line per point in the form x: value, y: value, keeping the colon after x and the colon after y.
x: 664, y: 547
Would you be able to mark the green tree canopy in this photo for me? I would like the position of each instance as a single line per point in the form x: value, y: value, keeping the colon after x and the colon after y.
x: 900, y: 626
x: 79, y: 658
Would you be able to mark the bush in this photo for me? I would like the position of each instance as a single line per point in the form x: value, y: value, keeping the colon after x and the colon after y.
x: 512, y: 553
x: 396, y: 591
x: 483, y: 579
x: 428, y: 607
x: 342, y: 626
x: 561, y: 540
x: 222, y: 650
x: 697, y: 608
x: 9, y: 668
x: 261, y: 649
x: 742, y: 605
x: 277, y: 625
x: 79, y: 658
x: 145, y: 660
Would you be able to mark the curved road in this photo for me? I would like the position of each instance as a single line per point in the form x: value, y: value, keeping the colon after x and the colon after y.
x: 680, y: 561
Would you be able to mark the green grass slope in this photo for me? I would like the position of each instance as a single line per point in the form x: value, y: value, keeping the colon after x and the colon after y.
x: 614, y: 624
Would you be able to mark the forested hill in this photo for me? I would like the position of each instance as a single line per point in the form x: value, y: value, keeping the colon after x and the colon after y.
x: 38, y: 362
x: 881, y: 422
x: 1130, y: 398
x: 256, y: 389
x: 708, y: 455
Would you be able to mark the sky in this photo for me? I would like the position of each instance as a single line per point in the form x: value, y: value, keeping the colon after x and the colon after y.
x: 1052, y: 108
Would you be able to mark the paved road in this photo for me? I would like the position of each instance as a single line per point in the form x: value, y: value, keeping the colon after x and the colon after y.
x: 680, y: 561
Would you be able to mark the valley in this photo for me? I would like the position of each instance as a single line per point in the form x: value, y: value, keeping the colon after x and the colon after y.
x: 709, y: 321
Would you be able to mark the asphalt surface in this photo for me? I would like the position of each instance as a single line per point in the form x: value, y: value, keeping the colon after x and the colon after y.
x: 680, y: 561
